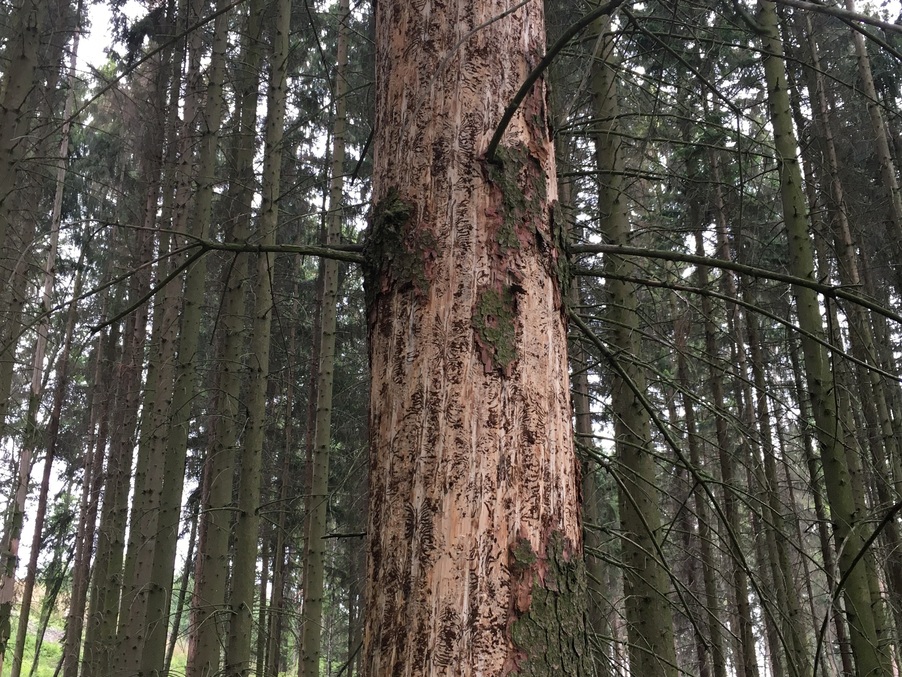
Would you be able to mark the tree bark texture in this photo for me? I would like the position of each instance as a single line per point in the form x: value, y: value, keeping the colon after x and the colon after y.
x: 474, y: 544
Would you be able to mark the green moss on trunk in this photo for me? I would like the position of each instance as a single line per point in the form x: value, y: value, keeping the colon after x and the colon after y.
x: 522, y: 183
x: 398, y: 252
x: 548, y: 615
x: 495, y: 323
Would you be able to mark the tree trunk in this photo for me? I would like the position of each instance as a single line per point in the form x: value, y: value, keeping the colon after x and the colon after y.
x: 318, y: 501
x: 475, y: 562
x: 247, y: 527
x: 871, y: 660
x: 20, y: 75
x: 95, y: 451
x: 649, y: 622
x: 30, y: 441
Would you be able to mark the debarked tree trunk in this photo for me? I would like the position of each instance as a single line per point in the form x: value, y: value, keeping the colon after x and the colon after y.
x: 475, y: 563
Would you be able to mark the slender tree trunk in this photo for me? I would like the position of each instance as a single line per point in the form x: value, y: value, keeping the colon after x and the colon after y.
x: 31, y: 427
x: 820, y: 511
x: 27, y: 26
x: 871, y: 660
x: 788, y: 609
x: 88, y: 505
x: 194, y: 210
x: 693, y: 441
x: 649, y: 623
x: 211, y: 618
x: 247, y: 527
x: 100, y: 642
x: 317, y: 513
x: 151, y: 618
x: 598, y: 599
x: 262, y: 639
x: 746, y: 661
x: 176, y: 626
x: 144, y: 510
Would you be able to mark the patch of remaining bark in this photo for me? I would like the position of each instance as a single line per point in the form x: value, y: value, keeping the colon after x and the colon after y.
x: 399, y: 251
x: 495, y: 322
x: 547, y: 616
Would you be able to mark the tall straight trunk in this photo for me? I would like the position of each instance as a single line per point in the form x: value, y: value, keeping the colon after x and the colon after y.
x: 746, y: 661
x: 148, y: 619
x: 52, y: 439
x: 277, y: 598
x: 176, y: 624
x: 888, y: 178
x: 210, y: 616
x: 144, y: 509
x: 648, y: 616
x: 876, y: 392
x: 22, y: 49
x: 194, y: 212
x: 788, y: 606
x: 13, y: 532
x: 95, y: 451
x: 820, y: 510
x: 593, y: 494
x: 318, y: 496
x: 715, y: 641
x: 27, y: 24
x: 247, y: 527
x: 262, y: 638
x: 474, y: 543
x: 100, y: 640
x: 871, y: 660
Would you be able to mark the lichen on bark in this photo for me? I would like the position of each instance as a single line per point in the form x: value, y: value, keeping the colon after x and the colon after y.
x: 548, y: 609
x: 398, y: 251
x: 495, y: 323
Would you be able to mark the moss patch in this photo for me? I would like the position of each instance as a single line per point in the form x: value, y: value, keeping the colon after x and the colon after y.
x: 397, y: 254
x: 522, y: 555
x: 522, y: 183
x: 548, y: 611
x: 560, y: 263
x: 495, y: 322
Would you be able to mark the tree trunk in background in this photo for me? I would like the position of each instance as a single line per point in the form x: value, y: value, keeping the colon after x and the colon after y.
x: 475, y: 562
x: 275, y: 609
x: 712, y: 604
x: 599, y: 597
x: 95, y: 451
x: 876, y: 393
x: 246, y: 535
x: 649, y: 622
x: 144, y: 509
x: 788, y: 608
x: 31, y: 436
x: 871, y: 660
x: 888, y: 179
x: 176, y: 625
x: 318, y: 501
x: 194, y: 211
x: 106, y: 580
x: 178, y: 348
x: 211, y: 617
x: 19, y: 79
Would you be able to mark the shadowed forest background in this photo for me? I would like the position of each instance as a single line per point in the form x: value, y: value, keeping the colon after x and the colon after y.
x: 184, y: 372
